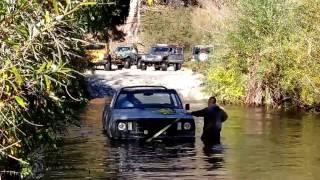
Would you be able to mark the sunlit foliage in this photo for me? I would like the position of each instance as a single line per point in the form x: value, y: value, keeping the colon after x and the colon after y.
x: 272, y: 55
x: 40, y: 50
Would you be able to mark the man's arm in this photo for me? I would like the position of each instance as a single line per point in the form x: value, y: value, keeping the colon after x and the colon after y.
x: 200, y: 113
x: 224, y: 115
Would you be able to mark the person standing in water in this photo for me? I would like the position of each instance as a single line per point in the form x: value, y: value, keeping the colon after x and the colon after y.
x: 213, y: 116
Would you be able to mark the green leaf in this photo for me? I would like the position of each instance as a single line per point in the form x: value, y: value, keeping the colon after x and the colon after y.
x: 55, y: 6
x: 42, y: 67
x: 48, y: 83
x: 88, y: 3
x: 47, y: 17
x: 20, y: 101
x: 18, y: 76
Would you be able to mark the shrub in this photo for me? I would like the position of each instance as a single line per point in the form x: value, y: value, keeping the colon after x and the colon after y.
x: 272, y: 53
x: 39, y: 52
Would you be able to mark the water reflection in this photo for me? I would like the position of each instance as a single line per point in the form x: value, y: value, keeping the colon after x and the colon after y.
x: 258, y: 144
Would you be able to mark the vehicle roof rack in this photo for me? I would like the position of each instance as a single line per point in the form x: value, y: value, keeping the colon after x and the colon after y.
x: 133, y: 87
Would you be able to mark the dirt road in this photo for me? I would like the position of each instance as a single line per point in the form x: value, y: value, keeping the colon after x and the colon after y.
x: 104, y: 83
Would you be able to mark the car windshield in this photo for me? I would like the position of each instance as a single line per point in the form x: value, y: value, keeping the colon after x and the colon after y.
x: 123, y: 49
x: 148, y: 99
x: 159, y: 50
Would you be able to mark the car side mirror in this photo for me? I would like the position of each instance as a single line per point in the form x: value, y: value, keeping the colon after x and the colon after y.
x: 187, y: 107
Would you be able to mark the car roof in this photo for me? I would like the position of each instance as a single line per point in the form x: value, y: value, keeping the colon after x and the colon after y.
x: 126, y: 45
x: 146, y: 88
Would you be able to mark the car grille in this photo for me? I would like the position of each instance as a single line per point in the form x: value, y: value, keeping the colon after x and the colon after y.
x: 152, y: 126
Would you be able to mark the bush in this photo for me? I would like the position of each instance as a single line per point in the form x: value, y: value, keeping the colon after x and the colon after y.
x: 272, y: 54
x: 40, y: 53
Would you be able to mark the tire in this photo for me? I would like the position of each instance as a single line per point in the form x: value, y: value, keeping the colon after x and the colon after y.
x: 177, y: 67
x: 164, y: 67
x: 157, y: 68
x: 139, y: 65
x: 107, y: 67
x: 120, y: 67
x: 127, y: 63
x: 143, y: 67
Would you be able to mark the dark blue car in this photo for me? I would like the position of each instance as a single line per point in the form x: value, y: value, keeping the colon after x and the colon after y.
x: 142, y: 112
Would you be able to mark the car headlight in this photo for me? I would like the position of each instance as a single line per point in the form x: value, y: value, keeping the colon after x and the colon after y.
x: 159, y: 57
x: 122, y: 126
x: 187, y: 126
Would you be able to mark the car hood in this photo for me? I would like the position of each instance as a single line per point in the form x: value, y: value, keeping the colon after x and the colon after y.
x: 122, y: 53
x: 125, y: 114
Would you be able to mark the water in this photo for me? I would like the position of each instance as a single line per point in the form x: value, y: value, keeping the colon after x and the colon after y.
x: 257, y: 144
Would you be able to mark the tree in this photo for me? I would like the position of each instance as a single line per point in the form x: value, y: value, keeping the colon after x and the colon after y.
x: 272, y: 55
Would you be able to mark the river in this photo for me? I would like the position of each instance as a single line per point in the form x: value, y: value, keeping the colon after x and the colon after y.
x: 257, y: 144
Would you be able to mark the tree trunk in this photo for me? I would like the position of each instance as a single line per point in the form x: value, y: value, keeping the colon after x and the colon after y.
x: 255, y: 94
x: 133, y: 21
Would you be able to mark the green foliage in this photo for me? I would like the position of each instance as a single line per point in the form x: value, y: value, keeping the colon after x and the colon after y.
x: 168, y: 25
x: 41, y: 55
x: 272, y: 54
x: 227, y: 85
x: 102, y: 19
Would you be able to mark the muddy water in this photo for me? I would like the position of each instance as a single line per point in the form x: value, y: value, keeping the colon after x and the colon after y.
x: 257, y: 144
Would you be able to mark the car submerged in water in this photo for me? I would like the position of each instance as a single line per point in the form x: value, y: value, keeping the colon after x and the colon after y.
x: 144, y: 112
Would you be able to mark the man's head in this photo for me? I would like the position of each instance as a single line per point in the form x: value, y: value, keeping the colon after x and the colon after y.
x: 212, y: 101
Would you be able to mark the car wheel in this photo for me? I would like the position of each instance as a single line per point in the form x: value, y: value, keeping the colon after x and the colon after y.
x: 164, y: 67
x: 177, y: 67
x: 127, y: 63
x: 120, y: 67
x: 139, y: 65
x: 107, y: 67
x: 157, y: 68
x: 143, y: 66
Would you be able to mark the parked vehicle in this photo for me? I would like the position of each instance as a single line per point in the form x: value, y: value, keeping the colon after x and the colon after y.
x: 125, y: 56
x: 161, y: 56
x: 201, y: 52
x: 140, y: 112
x: 97, y: 54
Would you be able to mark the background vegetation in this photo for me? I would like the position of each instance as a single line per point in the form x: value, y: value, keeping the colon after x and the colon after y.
x: 40, y: 59
x: 272, y: 56
x: 266, y: 51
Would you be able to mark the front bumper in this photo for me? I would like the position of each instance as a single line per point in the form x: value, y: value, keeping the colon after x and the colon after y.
x: 139, y: 130
x: 151, y: 60
x: 172, y: 61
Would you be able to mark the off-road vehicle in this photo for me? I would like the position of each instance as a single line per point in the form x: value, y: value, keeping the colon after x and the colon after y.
x: 161, y: 56
x: 124, y: 56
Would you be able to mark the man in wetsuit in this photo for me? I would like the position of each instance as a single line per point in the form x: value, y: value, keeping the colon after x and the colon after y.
x: 214, y: 116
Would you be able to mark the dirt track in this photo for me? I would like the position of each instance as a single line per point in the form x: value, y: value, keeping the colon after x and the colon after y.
x: 103, y: 83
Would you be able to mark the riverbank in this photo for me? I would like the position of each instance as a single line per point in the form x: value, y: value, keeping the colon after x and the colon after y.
x: 189, y: 85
